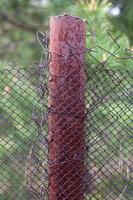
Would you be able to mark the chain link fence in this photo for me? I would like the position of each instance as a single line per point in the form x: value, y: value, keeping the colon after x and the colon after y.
x: 102, y: 164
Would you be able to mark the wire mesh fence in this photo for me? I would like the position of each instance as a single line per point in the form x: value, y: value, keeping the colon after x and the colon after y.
x: 98, y: 161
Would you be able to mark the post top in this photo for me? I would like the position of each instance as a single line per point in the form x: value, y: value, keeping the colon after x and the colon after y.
x: 68, y: 15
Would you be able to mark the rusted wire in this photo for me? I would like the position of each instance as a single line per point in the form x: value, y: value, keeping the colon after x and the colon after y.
x: 108, y: 101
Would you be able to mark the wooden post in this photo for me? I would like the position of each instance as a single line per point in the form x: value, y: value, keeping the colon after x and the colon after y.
x: 67, y: 108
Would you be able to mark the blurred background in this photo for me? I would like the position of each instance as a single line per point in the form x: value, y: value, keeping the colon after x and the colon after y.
x: 21, y: 19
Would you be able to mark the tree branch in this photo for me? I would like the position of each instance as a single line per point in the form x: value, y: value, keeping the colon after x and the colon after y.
x: 19, y: 25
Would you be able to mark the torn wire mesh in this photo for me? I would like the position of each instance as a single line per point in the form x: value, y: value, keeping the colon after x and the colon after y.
x: 24, y: 146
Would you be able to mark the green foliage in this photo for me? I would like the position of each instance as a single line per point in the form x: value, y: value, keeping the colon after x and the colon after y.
x: 19, y: 22
x: 104, y: 42
x: 124, y: 21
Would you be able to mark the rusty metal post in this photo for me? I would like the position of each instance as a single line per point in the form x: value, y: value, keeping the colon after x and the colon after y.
x: 67, y: 108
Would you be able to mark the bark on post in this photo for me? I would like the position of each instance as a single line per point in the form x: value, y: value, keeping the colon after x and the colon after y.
x: 67, y: 108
